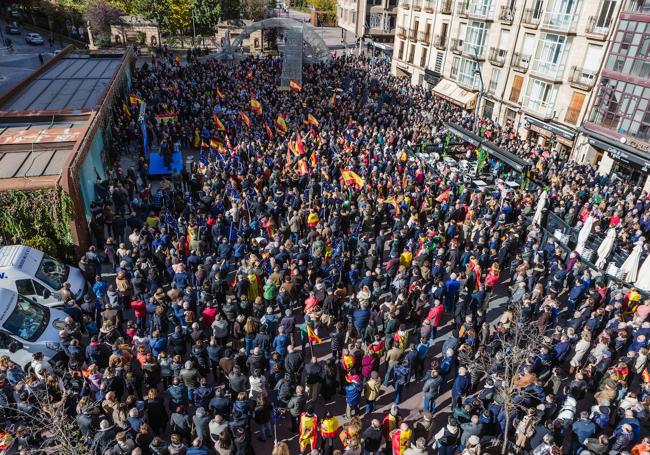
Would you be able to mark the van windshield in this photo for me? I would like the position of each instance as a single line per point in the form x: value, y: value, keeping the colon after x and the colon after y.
x: 52, y: 272
x: 28, y: 320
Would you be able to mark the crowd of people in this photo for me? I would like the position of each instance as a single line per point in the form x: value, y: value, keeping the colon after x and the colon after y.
x: 309, y: 275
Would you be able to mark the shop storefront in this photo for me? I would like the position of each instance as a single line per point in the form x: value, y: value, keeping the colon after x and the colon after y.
x: 551, y: 135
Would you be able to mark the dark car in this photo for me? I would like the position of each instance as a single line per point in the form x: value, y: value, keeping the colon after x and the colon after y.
x: 12, y: 29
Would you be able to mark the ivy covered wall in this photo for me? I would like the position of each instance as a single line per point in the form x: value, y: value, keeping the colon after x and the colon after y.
x: 38, y: 218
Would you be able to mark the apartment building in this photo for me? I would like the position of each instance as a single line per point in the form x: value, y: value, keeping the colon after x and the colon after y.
x: 374, y: 19
x: 533, y: 63
x: 616, y: 131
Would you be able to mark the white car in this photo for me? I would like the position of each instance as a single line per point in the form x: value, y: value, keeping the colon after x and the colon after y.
x: 33, y: 38
x: 27, y: 327
x: 36, y: 275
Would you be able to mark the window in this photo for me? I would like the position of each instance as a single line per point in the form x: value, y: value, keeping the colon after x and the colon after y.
x: 517, y: 82
x: 494, y: 80
x: 25, y: 287
x: 488, y: 109
x: 455, y: 64
x: 423, y: 58
x: 412, y: 53
x: 400, y: 54
x: 439, y: 59
x: 550, y: 55
x: 630, y: 50
x: 538, y: 8
x: 540, y: 97
x: 605, y: 13
x: 462, y: 31
x: 375, y: 20
x: 28, y: 320
x: 573, y: 112
x: 475, y: 38
x: 467, y: 73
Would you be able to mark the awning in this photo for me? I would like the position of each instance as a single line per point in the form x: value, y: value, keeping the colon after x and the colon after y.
x: 465, y: 134
x: 451, y: 92
x: 618, y: 151
x: 548, y: 126
x: 507, y: 157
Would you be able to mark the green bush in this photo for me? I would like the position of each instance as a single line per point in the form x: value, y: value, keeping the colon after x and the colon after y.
x: 42, y: 243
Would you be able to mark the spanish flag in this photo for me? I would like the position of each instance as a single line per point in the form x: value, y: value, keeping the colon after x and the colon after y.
x: 302, y: 167
x: 392, y: 201
x: 312, y: 336
x: 135, y: 100
x: 645, y: 375
x: 312, y: 120
x: 281, y: 124
x: 256, y: 106
x: 245, y: 119
x: 312, y: 219
x: 218, y: 123
x: 269, y: 131
x: 219, y: 94
x: 294, y: 85
x: 299, y: 147
x: 351, y: 178
x: 313, y: 159
x: 444, y: 196
x: 214, y: 144
x: 178, y: 60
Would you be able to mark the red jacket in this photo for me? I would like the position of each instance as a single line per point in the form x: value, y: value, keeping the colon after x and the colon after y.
x: 435, y: 314
x: 139, y: 308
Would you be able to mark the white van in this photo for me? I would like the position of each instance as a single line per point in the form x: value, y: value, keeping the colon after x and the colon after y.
x: 27, y: 327
x: 36, y: 275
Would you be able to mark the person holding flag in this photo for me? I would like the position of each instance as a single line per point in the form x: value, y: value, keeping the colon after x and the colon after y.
x: 295, y: 85
x: 245, y: 119
x: 217, y: 123
x: 256, y: 106
x: 312, y: 120
x: 329, y: 429
x: 281, y: 124
x: 352, y: 178
x: 401, y: 439
x: 308, y: 426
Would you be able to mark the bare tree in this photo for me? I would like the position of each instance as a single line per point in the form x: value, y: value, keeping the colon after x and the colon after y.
x: 504, y: 359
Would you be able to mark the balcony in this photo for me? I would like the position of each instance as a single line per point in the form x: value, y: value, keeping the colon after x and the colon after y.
x: 595, y: 31
x: 468, y: 81
x: 424, y: 38
x: 582, y: 78
x: 539, y: 108
x: 417, y: 5
x: 401, y: 32
x: 405, y: 4
x: 506, y: 14
x: 530, y: 19
x: 520, y: 62
x: 473, y: 51
x: 456, y: 46
x: 637, y: 7
x: 547, y: 70
x: 446, y: 6
x: 428, y: 6
x: 497, y: 56
x: 413, y: 34
x: 461, y: 10
x: 560, y: 22
x: 440, y: 42
x: 480, y: 11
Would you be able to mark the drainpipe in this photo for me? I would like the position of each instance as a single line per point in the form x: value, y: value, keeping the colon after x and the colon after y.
x: 433, y: 34
x: 512, y: 54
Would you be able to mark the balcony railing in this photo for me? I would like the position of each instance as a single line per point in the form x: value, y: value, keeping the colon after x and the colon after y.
x: 547, y: 70
x: 440, y: 42
x: 405, y: 4
x: 506, y: 14
x: 596, y: 31
x: 461, y: 10
x: 474, y: 51
x: 560, y: 22
x: 413, y: 34
x: 456, y: 46
x: 428, y: 6
x: 417, y: 5
x: 401, y: 32
x: 520, y: 62
x: 538, y: 107
x: 480, y: 11
x: 446, y: 6
x: 582, y: 78
x: 497, y: 56
x: 530, y: 19
x: 424, y: 37
x: 638, y: 7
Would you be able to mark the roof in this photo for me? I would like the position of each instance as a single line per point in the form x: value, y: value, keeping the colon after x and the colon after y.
x: 134, y: 20
x: 77, y: 82
x: 19, y: 256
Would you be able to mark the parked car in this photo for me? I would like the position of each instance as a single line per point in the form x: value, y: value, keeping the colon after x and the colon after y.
x: 36, y: 275
x: 33, y: 38
x: 12, y: 29
x: 27, y: 327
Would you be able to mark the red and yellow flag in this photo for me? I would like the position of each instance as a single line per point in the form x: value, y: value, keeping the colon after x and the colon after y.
x: 218, y: 123
x: 256, y: 106
x: 269, y: 131
x: 313, y: 159
x: 178, y: 60
x: 444, y: 196
x: 312, y: 219
x: 245, y: 119
x: 312, y: 336
x: 299, y: 147
x: 351, y: 178
x: 281, y: 124
x: 333, y: 100
x: 303, y: 169
x: 295, y: 85
x: 228, y: 144
x: 214, y: 144
x: 219, y: 94
x: 126, y: 111
x: 134, y: 100
x: 312, y: 120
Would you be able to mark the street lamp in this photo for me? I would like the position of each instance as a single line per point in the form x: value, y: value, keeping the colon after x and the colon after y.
x: 477, y: 71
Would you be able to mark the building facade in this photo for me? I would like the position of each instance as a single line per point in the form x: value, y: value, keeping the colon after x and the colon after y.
x: 537, y: 61
x: 374, y: 19
x: 616, y: 131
